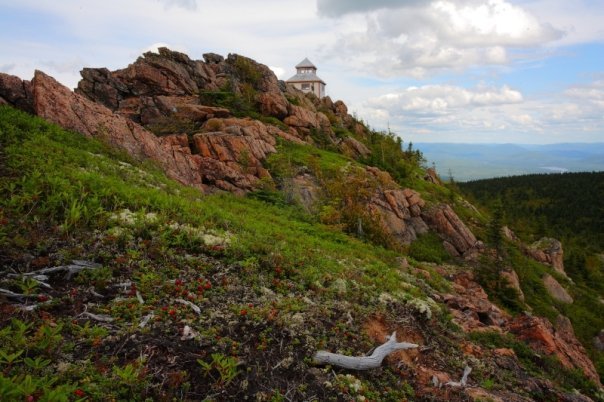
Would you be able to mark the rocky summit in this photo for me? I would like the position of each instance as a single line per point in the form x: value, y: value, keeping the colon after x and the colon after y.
x: 199, y: 230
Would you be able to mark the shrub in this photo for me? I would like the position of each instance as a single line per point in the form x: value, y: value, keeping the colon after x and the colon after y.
x: 429, y: 247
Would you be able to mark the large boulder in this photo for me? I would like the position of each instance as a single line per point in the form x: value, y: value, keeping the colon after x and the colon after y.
x: 556, y: 290
x: 353, y: 148
x: 16, y: 92
x: 511, y: 277
x: 450, y: 227
x: 547, y: 251
x: 558, y: 340
x: 399, y: 212
x: 156, y: 86
x: 242, y: 144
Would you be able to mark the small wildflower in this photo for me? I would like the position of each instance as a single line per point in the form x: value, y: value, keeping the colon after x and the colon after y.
x: 79, y: 393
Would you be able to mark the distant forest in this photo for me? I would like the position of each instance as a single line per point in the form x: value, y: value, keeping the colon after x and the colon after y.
x: 567, y: 206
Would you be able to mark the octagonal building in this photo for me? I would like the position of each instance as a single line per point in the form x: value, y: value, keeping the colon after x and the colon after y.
x: 306, y: 79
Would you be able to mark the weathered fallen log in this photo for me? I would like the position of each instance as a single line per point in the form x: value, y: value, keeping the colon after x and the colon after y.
x: 74, y: 267
x: 363, y: 362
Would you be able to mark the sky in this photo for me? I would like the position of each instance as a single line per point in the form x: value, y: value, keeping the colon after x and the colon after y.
x: 478, y: 71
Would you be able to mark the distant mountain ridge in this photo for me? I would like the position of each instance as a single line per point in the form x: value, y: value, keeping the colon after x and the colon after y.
x: 480, y: 161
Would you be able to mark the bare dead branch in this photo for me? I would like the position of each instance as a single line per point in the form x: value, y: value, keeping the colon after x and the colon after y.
x: 363, y: 362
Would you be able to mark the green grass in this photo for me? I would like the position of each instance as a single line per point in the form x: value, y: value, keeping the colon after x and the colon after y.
x: 290, y: 157
x: 84, y: 182
x: 429, y: 247
x: 68, y: 197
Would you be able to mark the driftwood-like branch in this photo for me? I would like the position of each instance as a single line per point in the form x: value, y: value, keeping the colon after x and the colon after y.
x: 188, y: 303
x: 97, y: 317
x: 464, y: 379
x: 363, y: 362
x: 74, y: 267
x: 145, y: 320
x: 17, y: 296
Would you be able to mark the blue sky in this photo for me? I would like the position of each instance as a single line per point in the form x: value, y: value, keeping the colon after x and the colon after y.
x: 520, y: 71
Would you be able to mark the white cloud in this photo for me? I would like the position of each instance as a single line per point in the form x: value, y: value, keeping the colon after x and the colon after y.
x: 443, y: 99
x: 454, y: 114
x: 279, y: 71
x: 7, y: 68
x: 186, y: 4
x: 592, y: 93
x: 441, y: 34
x: 581, y: 20
x: 335, y: 8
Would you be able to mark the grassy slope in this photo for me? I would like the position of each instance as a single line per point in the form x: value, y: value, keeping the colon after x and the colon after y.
x: 272, y: 284
x: 255, y: 269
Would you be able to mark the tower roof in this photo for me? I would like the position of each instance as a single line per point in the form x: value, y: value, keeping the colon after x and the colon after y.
x: 305, y: 78
x: 306, y: 64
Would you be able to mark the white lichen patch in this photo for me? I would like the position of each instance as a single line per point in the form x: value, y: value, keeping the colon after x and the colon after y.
x: 353, y: 385
x: 124, y: 217
x: 340, y: 286
x: 117, y: 231
x: 127, y: 218
x: 208, y: 237
x: 386, y: 298
x: 421, y: 306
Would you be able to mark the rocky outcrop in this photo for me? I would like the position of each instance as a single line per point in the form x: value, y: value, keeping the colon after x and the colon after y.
x: 237, y: 150
x: 556, y: 290
x: 353, y: 148
x: 15, y: 92
x: 558, y: 340
x: 511, y: 277
x: 400, y: 212
x: 458, y: 239
x: 471, y: 308
x: 432, y: 176
x: 169, y: 86
x: 547, y: 251
x: 228, y: 158
x: 509, y: 234
x: 58, y: 104
x: 157, y: 85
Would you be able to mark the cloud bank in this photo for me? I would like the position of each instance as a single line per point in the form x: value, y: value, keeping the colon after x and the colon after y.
x: 415, y: 38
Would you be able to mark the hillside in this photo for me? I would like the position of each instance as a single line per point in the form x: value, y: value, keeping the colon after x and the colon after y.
x: 198, y: 230
x: 482, y: 161
x: 565, y: 206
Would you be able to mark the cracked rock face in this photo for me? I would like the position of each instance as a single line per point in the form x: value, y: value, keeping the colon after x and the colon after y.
x: 445, y: 221
x: 15, y: 92
x: 558, y: 340
x: 215, y: 162
x: 548, y: 251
